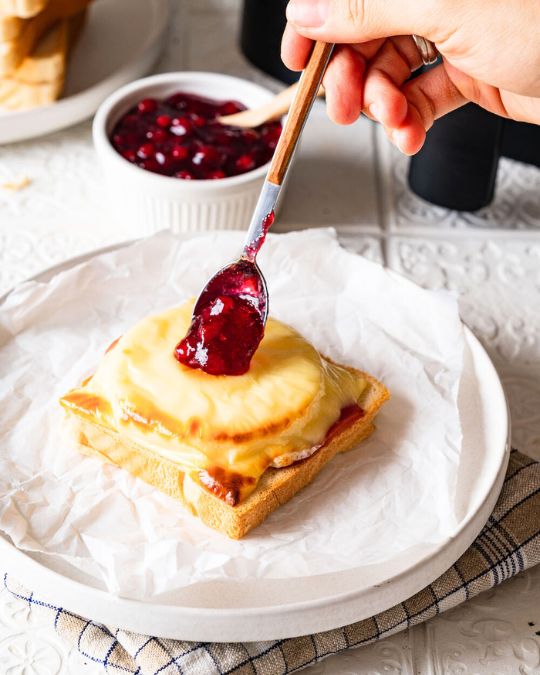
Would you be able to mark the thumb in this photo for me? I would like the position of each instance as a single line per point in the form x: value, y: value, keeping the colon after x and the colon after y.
x: 353, y: 21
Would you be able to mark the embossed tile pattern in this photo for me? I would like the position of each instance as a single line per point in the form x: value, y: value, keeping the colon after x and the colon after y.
x: 498, y: 283
x: 28, y: 646
x: 516, y: 205
x: 391, y: 656
x: 495, y: 634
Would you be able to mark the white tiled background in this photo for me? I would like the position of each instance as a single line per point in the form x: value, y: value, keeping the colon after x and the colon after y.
x: 349, y: 178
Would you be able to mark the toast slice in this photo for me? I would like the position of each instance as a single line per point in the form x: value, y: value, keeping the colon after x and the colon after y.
x: 48, y: 60
x: 39, y: 80
x: 22, y: 8
x: 15, y: 95
x: 14, y: 51
x: 14, y: 16
x: 10, y: 27
x: 275, y: 487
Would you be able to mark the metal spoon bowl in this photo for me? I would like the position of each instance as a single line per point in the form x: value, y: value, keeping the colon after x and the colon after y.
x: 242, y: 278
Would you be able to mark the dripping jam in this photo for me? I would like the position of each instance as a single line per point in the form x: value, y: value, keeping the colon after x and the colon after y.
x: 251, y: 251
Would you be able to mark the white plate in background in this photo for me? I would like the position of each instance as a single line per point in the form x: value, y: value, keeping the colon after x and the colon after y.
x: 121, y: 40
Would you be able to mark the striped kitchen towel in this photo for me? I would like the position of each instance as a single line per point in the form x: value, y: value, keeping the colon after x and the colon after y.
x: 508, y: 544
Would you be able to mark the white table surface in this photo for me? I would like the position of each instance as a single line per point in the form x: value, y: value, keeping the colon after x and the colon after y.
x: 349, y: 178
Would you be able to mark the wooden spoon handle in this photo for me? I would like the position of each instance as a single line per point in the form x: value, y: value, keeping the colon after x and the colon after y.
x: 274, y: 109
x: 308, y: 87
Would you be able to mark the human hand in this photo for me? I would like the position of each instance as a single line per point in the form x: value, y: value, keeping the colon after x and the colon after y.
x: 491, y: 56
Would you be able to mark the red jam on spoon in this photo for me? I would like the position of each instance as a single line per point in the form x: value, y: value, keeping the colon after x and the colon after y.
x: 229, y: 317
x: 223, y: 336
x: 181, y: 137
x: 251, y: 251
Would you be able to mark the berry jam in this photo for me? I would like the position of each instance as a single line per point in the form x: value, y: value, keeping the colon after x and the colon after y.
x: 251, y: 251
x: 223, y: 336
x: 181, y: 137
x: 228, y: 319
x: 239, y: 278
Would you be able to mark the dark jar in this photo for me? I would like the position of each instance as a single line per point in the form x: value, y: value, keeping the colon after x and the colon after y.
x: 263, y: 23
x: 457, y: 165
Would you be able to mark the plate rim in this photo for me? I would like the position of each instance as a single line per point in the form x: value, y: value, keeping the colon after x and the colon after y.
x: 27, y: 566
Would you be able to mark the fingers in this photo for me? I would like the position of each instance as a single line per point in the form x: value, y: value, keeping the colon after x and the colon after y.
x: 353, y: 21
x: 410, y: 136
x: 343, y: 80
x: 433, y: 94
x: 295, y: 48
x: 390, y: 68
x: 343, y: 85
x: 374, y: 78
x: 428, y: 97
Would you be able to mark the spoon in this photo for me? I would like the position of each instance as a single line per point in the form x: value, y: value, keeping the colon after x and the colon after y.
x: 231, y: 311
x: 274, y: 109
x: 263, y: 216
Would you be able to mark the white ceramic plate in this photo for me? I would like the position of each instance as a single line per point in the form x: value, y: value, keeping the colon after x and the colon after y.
x: 121, y: 41
x: 271, y: 609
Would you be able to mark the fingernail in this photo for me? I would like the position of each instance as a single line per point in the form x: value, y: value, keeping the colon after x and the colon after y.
x: 399, y: 141
x: 307, y: 13
x: 394, y: 137
x: 375, y: 112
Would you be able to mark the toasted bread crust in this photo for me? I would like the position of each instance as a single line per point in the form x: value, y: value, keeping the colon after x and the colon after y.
x: 39, y: 80
x: 276, y: 486
x: 14, y: 51
x: 21, y: 8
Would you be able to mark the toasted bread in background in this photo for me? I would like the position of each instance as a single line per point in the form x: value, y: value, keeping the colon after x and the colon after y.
x: 275, y: 487
x: 16, y: 95
x: 39, y: 80
x: 13, y: 52
x: 21, y: 8
x: 48, y: 60
x: 14, y: 15
x: 10, y: 27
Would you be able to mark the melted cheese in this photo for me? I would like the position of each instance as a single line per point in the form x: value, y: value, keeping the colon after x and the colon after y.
x: 276, y: 413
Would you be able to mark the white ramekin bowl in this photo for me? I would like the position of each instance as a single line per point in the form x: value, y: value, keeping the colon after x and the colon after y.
x: 151, y: 202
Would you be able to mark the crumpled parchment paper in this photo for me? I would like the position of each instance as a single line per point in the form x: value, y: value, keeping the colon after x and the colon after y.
x: 396, y: 491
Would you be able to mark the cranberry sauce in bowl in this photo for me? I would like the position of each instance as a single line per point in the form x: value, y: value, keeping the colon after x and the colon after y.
x: 132, y: 126
x: 180, y: 136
